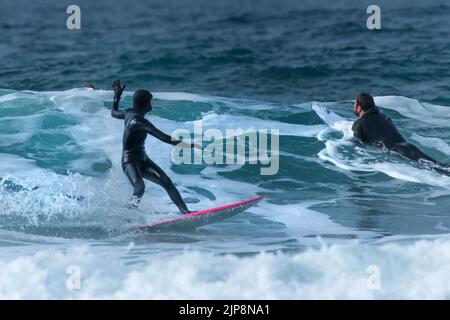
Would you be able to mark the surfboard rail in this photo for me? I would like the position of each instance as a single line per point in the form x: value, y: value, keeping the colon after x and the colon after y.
x: 202, y: 217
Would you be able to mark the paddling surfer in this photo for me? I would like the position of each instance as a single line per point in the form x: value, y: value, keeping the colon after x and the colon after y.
x: 376, y: 128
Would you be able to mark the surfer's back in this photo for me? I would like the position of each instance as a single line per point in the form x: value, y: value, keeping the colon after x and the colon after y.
x: 134, y: 135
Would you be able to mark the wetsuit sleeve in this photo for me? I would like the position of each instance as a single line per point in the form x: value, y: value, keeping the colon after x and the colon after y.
x: 115, y: 112
x: 358, y: 131
x: 151, y: 129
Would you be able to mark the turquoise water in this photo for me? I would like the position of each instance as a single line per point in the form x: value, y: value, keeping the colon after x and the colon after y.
x: 333, y: 209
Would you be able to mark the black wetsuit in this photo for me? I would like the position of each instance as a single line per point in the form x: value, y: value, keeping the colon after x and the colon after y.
x: 374, y: 127
x: 135, y: 162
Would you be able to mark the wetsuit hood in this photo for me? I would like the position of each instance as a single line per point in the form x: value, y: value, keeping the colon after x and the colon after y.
x: 372, y: 110
x: 142, y: 100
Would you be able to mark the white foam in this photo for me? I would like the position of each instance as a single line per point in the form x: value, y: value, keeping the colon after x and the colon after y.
x: 301, y: 221
x: 181, y: 96
x: 13, y: 96
x: 432, y: 142
x: 406, y: 271
x: 403, y: 172
x: 414, y: 109
x: 248, y: 124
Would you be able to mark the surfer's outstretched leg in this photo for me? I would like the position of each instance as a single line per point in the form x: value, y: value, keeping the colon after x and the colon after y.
x: 133, y: 173
x: 151, y: 171
x: 412, y: 152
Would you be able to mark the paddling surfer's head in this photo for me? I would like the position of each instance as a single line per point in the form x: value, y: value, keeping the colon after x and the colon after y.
x: 142, y: 100
x: 363, y: 102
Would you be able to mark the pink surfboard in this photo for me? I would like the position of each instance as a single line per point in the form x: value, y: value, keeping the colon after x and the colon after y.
x: 200, y: 218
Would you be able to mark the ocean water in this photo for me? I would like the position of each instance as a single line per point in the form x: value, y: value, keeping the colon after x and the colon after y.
x: 339, y: 221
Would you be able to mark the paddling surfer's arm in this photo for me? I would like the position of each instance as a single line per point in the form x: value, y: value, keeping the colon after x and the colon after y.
x: 357, y: 129
x: 115, y: 112
x: 152, y: 130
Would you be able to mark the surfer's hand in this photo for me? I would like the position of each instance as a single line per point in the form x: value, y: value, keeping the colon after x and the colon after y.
x: 118, y: 89
x: 190, y: 145
x: 197, y: 146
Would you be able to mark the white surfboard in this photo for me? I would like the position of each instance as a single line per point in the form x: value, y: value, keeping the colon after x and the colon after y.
x: 329, y: 117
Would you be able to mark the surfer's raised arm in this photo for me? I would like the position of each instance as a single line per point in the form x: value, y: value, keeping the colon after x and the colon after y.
x: 115, y: 112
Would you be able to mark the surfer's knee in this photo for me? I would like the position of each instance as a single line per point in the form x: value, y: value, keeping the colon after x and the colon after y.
x: 165, y: 180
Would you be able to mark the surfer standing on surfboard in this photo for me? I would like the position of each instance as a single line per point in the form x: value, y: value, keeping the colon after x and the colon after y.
x: 374, y: 127
x: 135, y: 162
